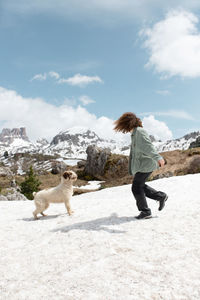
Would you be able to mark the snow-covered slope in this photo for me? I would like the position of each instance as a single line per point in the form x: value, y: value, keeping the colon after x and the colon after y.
x: 74, y: 142
x: 71, y: 143
x: 181, y: 143
x: 102, y: 252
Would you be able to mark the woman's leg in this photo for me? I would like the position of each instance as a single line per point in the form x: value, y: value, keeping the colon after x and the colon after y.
x: 138, y: 191
x: 153, y: 194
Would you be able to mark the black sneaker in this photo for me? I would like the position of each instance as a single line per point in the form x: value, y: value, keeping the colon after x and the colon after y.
x: 162, y: 202
x: 144, y: 215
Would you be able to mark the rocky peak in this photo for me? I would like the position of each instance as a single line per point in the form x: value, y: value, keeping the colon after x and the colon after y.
x: 8, y: 135
x: 192, y: 135
x: 76, y: 136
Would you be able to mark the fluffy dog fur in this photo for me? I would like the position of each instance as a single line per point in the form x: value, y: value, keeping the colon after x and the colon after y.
x: 62, y: 193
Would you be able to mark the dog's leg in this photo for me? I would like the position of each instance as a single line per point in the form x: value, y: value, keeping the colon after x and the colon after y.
x: 35, y: 214
x: 68, y: 207
x: 46, y: 206
x: 39, y: 209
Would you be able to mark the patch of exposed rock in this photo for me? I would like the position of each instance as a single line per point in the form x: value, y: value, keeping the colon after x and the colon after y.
x: 58, y: 167
x: 4, y: 172
x: 96, y: 160
x: 195, y: 144
x: 8, y: 135
x: 13, y: 195
x: 104, y: 165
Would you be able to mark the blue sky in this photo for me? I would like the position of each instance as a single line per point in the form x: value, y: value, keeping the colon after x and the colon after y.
x: 65, y: 63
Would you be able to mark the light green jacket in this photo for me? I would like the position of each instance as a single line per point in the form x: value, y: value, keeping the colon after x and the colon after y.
x: 143, y: 156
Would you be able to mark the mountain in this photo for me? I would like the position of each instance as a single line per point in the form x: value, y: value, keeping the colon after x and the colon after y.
x: 102, y: 251
x: 8, y: 136
x: 177, y: 144
x: 73, y: 142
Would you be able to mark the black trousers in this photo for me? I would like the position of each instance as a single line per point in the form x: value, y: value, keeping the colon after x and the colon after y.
x: 141, y: 190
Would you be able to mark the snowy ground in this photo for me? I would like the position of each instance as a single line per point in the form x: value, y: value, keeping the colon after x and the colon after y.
x: 92, y: 185
x: 102, y: 252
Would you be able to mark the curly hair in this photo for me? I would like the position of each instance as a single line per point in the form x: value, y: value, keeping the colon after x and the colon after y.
x: 127, y: 122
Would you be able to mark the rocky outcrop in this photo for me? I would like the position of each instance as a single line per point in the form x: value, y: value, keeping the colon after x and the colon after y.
x: 96, y: 160
x: 8, y: 135
x: 4, y: 172
x: 195, y: 144
x: 13, y: 195
x: 58, y: 167
x: 75, y: 139
x: 102, y: 164
x: 3, y: 198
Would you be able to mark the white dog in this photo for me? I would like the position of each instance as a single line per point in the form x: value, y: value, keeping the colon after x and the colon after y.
x: 59, y: 194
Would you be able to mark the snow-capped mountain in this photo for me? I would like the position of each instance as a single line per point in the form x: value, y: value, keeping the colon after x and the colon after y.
x: 8, y: 136
x: 181, y: 143
x: 73, y: 143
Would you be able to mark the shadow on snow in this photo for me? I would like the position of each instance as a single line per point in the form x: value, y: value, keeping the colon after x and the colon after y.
x: 98, y: 224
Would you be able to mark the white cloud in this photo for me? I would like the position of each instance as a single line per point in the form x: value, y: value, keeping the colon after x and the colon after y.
x: 76, y: 80
x: 157, y: 128
x: 54, y: 75
x: 86, y: 100
x: 174, y: 45
x: 163, y: 92
x: 80, y: 80
x: 179, y: 114
x: 40, y: 77
x: 43, y: 119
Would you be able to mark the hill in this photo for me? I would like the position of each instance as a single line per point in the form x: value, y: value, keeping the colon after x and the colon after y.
x: 102, y: 252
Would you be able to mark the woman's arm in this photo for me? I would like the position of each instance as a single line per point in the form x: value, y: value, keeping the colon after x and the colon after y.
x: 145, y: 146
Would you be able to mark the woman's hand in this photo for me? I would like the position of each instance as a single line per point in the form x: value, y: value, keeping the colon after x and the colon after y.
x: 161, y: 163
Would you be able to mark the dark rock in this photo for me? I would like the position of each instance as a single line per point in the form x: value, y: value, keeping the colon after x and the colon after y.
x: 96, y: 160
x: 195, y: 144
x: 194, y: 166
x: 58, y: 167
x: 81, y: 163
x: 163, y: 175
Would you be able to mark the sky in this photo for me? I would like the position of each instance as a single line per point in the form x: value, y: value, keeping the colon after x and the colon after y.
x: 69, y: 63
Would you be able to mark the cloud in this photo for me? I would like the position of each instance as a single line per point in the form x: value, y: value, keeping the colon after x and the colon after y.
x: 86, y: 100
x: 54, y: 75
x: 80, y: 80
x: 174, y: 45
x: 43, y: 119
x: 76, y: 80
x: 157, y: 128
x: 40, y: 77
x: 179, y: 114
x: 163, y: 92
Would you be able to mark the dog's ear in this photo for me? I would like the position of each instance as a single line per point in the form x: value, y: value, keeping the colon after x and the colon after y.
x: 66, y: 174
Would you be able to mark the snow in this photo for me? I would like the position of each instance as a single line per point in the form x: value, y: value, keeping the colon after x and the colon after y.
x: 102, y: 252
x: 69, y: 162
x: 92, y: 185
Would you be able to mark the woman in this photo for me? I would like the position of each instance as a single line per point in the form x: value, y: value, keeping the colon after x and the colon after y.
x: 143, y: 160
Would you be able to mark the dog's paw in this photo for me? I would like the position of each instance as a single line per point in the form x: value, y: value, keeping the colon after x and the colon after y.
x: 70, y: 212
x: 44, y: 215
